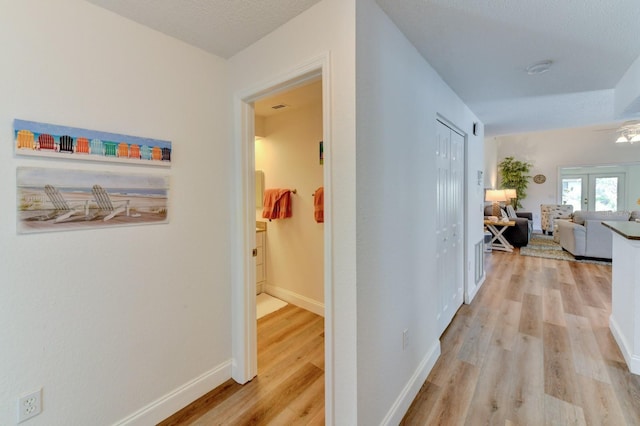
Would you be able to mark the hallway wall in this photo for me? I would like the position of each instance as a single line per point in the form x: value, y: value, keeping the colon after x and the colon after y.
x: 108, y: 321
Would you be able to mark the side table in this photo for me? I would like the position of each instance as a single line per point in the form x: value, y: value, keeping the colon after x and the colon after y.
x: 499, y: 242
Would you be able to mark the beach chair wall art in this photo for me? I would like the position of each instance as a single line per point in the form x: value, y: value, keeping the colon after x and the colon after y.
x: 48, y: 140
x: 64, y: 200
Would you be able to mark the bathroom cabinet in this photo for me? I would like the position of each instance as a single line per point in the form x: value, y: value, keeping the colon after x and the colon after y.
x: 260, y: 261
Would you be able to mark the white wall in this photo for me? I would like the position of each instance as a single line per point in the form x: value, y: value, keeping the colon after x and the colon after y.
x: 549, y: 150
x: 399, y: 97
x: 490, y: 163
x: 288, y: 155
x: 326, y: 28
x: 108, y: 321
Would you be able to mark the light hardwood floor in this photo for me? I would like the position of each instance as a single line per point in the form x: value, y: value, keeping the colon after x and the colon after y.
x: 534, y: 348
x: 289, y: 388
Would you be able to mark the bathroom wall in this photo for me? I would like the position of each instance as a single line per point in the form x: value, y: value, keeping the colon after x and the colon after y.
x: 288, y: 155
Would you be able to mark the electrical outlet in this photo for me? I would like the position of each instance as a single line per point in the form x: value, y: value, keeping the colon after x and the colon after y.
x: 405, y: 338
x: 29, y: 405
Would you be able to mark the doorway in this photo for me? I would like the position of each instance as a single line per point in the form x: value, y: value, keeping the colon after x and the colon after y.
x: 244, y: 330
x: 593, y: 191
x: 449, y: 221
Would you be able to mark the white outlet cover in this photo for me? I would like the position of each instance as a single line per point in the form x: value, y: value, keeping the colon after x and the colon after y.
x: 29, y: 405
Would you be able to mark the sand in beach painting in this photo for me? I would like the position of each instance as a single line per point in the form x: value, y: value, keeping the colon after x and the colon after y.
x: 63, y: 200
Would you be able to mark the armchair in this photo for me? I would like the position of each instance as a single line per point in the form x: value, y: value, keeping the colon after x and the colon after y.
x: 550, y: 212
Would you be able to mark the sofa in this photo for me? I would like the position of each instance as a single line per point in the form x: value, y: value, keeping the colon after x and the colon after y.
x: 585, y: 236
x: 519, y: 234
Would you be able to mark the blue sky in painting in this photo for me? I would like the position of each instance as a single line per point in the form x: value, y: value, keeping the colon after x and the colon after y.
x: 39, y: 177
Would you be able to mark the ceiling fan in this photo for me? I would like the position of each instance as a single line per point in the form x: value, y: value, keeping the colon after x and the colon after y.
x: 629, y: 132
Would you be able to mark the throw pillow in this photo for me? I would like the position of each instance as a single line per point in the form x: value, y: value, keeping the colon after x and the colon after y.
x: 511, y: 212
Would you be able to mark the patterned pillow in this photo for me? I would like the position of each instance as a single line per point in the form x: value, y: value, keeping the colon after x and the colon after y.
x: 511, y: 212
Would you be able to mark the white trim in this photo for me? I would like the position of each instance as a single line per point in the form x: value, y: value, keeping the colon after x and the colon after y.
x: 403, y: 402
x: 633, y: 361
x: 243, y: 321
x: 296, y: 299
x: 179, y: 398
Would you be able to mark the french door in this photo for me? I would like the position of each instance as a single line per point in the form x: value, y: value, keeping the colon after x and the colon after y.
x: 449, y: 223
x: 594, y: 192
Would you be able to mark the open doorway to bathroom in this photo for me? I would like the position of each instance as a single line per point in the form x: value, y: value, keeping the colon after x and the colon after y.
x: 290, y: 251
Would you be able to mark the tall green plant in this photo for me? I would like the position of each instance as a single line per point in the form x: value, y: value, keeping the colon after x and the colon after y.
x: 515, y: 174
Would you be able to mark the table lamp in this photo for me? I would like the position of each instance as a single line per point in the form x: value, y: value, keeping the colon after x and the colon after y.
x: 511, y: 194
x: 495, y: 196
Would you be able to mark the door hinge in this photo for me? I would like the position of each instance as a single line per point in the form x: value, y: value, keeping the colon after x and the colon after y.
x: 254, y: 252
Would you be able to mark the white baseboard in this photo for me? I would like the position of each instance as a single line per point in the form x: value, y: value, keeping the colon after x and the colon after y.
x: 408, y: 394
x: 179, y: 398
x: 468, y: 297
x: 296, y: 299
x: 633, y: 360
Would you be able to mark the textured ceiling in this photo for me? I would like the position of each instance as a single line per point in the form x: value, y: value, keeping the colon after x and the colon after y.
x: 480, y: 48
x: 222, y: 27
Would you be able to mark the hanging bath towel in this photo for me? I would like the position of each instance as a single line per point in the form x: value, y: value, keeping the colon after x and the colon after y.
x: 318, y: 205
x: 277, y: 204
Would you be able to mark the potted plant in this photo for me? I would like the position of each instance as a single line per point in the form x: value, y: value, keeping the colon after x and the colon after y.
x: 515, y: 174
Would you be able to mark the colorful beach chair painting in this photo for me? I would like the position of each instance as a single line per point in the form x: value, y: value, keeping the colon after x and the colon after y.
x: 48, y: 140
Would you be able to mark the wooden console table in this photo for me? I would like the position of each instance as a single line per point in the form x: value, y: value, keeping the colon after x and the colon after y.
x: 499, y: 242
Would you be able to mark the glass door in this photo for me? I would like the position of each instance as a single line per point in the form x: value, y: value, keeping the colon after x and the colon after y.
x: 574, y: 191
x: 606, y: 192
x: 594, y: 192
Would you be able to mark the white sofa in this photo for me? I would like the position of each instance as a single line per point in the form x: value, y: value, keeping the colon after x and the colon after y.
x: 585, y: 236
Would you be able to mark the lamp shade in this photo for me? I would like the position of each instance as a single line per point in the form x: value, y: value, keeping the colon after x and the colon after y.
x: 510, y: 193
x: 495, y: 195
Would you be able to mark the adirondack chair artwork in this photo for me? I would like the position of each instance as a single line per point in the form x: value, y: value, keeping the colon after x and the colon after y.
x: 108, y: 207
x: 26, y: 140
x: 50, y: 140
x: 145, y: 152
x: 66, y: 144
x: 123, y: 150
x: 82, y: 146
x: 97, y: 148
x: 110, y: 149
x: 134, y: 151
x: 46, y: 141
x: 64, y: 210
x: 61, y: 199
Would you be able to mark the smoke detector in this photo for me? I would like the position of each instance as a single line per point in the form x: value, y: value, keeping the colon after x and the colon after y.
x: 539, y: 67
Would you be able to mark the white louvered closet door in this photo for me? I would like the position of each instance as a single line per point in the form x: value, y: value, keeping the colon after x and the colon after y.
x: 449, y: 223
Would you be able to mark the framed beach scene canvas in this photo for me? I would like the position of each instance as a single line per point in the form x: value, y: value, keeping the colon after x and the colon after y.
x: 63, y: 200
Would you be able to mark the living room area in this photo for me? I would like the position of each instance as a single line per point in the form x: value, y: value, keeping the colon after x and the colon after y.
x: 580, y: 176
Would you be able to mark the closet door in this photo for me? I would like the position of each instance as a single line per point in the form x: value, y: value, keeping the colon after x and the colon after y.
x: 449, y: 223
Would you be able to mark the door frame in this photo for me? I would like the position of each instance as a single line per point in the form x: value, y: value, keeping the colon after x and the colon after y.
x: 243, y: 295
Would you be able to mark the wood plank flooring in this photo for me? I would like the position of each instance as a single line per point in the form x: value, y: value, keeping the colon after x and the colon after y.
x: 534, y: 348
x: 289, y: 389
